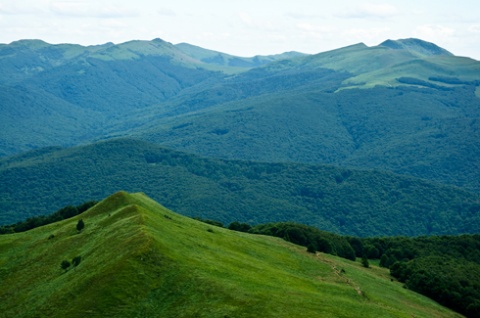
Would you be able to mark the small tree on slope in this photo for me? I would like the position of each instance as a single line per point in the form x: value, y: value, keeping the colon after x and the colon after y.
x: 80, y: 225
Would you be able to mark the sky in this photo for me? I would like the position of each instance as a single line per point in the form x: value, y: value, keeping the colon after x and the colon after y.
x: 246, y: 27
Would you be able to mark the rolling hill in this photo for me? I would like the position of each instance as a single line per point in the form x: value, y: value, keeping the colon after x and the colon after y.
x: 347, y: 201
x: 135, y: 258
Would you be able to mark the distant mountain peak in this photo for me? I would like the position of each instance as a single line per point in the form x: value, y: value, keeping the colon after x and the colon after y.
x: 33, y: 43
x: 416, y: 46
x: 158, y: 40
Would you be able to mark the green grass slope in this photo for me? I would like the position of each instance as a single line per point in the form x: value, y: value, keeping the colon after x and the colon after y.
x: 384, y: 64
x: 139, y: 259
x: 346, y: 201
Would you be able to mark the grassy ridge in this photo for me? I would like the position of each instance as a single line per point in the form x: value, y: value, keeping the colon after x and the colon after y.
x: 346, y: 201
x: 142, y: 260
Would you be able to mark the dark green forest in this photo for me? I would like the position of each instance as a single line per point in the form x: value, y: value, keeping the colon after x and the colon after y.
x: 346, y: 201
x: 422, y: 132
x: 444, y: 268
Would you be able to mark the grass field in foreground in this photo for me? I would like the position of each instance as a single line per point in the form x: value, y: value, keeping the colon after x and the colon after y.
x: 139, y: 259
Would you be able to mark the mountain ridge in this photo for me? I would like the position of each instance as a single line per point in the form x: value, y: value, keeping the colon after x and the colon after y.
x: 340, y: 200
x: 223, y: 59
x: 359, y: 106
x: 136, y: 257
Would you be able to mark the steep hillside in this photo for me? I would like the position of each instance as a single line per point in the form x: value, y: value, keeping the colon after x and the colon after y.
x: 348, y: 201
x: 137, y: 259
x: 404, y: 106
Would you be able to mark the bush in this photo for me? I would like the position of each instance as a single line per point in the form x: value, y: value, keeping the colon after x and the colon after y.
x: 240, y: 227
x: 365, y: 261
x: 80, y: 225
x: 308, y: 236
x: 65, y: 265
x: 76, y: 260
x: 208, y: 221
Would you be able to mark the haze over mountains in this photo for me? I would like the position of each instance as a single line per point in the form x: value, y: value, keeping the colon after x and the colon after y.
x: 406, y: 107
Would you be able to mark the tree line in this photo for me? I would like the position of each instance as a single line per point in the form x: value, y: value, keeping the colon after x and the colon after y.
x: 37, y: 221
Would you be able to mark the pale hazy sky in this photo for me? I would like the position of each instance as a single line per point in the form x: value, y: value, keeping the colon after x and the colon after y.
x: 246, y: 27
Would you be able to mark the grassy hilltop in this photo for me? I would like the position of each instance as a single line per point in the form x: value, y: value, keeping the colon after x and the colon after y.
x: 139, y: 259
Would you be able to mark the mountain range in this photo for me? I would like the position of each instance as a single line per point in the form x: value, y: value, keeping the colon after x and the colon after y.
x: 406, y: 110
x: 380, y: 144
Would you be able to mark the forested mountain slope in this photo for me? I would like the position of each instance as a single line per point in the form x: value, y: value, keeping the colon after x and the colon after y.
x: 357, y: 106
x: 347, y: 201
x: 81, y: 91
x: 406, y: 106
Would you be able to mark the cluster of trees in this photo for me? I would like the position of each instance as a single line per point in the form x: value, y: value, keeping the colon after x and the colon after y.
x: 444, y: 268
x: 308, y: 236
x: 36, y: 221
x: 454, y: 283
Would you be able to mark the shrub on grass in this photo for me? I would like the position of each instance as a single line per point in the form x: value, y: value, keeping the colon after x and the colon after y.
x: 76, y: 260
x: 365, y: 261
x: 65, y: 265
x: 80, y: 225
